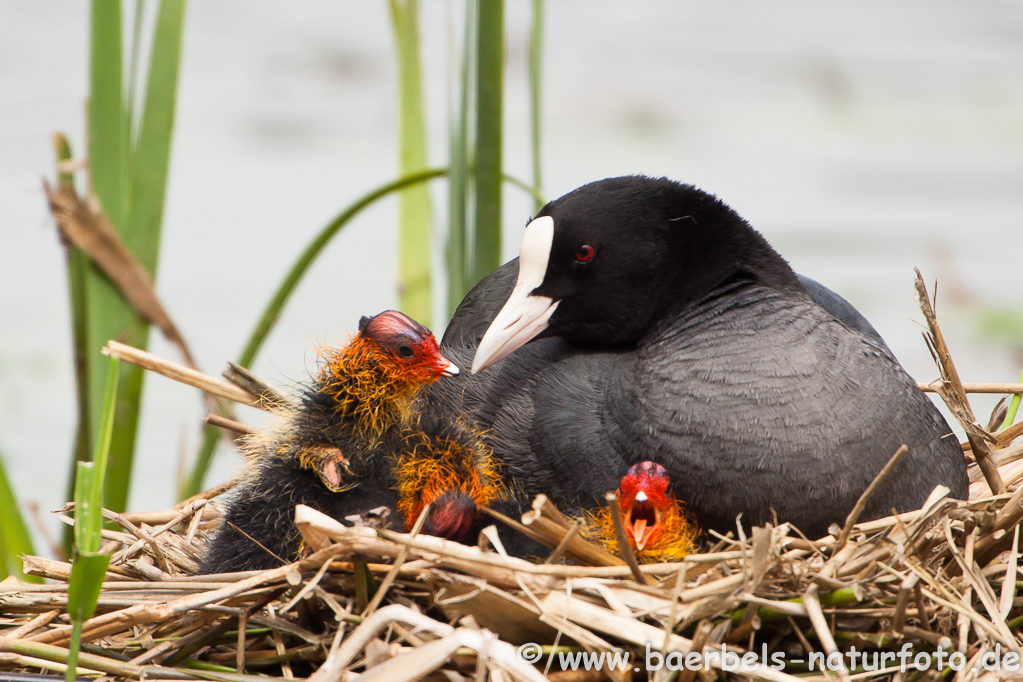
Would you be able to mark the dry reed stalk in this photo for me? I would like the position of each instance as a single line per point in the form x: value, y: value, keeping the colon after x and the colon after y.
x: 550, y: 527
x: 861, y: 503
x: 58, y: 654
x: 249, y: 382
x: 996, y: 388
x: 182, y: 510
x: 634, y: 631
x: 180, y: 373
x: 1010, y: 453
x: 61, y: 570
x: 623, y: 540
x: 820, y: 626
x: 229, y: 424
x: 1005, y: 437
x: 951, y: 391
x: 40, y: 621
x: 559, y: 550
x: 398, y: 563
x: 754, y: 565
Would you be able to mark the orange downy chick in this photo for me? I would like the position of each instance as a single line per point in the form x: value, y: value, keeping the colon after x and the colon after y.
x: 375, y: 383
x: 657, y: 525
x: 336, y: 450
x: 374, y: 378
x: 454, y: 471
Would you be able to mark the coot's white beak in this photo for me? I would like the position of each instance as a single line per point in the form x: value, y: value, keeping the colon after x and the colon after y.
x: 523, y: 315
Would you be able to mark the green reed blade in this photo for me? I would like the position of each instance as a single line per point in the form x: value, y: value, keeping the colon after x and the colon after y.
x: 536, y: 92
x: 15, y: 540
x: 129, y: 180
x: 77, y: 266
x: 460, y: 149
x: 89, y: 566
x: 414, y: 281
x: 486, y: 241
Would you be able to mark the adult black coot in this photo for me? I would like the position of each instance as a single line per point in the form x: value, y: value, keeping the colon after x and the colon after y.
x: 646, y: 320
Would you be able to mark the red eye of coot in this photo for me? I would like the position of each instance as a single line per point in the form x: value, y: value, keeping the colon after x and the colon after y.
x: 585, y: 253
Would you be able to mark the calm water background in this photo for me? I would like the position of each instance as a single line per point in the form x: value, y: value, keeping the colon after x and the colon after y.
x: 862, y: 138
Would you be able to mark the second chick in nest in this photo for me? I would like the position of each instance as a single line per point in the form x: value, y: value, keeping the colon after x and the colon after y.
x: 363, y: 436
x: 657, y: 525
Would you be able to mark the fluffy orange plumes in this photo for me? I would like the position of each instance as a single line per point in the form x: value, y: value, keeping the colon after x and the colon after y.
x: 428, y: 468
x: 671, y: 540
x: 370, y: 385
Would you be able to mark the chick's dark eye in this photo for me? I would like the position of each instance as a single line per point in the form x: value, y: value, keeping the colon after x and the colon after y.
x: 405, y: 350
x: 585, y: 253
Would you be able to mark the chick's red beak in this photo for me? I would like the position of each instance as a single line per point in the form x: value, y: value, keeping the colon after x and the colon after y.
x: 642, y: 518
x: 445, y: 367
x: 439, y: 364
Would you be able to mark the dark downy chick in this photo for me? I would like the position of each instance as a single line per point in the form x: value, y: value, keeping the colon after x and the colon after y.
x: 359, y: 426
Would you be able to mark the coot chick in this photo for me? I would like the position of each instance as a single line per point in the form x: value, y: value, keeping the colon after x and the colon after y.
x: 645, y: 319
x: 657, y: 526
x: 362, y: 436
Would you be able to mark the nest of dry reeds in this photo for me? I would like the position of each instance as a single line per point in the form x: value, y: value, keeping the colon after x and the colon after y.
x: 393, y: 606
x: 937, y: 588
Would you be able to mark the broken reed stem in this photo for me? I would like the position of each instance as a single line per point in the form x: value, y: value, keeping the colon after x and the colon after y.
x: 624, y: 549
x: 902, y: 602
x: 40, y: 621
x: 548, y: 526
x: 563, y: 545
x: 1009, y: 434
x: 393, y: 573
x: 180, y: 373
x: 703, y: 630
x: 1010, y: 516
x: 951, y: 391
x: 247, y: 381
x: 962, y: 622
x: 861, y: 503
x: 820, y: 626
x: 995, y: 388
x: 229, y: 424
x: 239, y: 656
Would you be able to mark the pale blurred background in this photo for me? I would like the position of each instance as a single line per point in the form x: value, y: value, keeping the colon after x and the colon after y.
x: 863, y: 138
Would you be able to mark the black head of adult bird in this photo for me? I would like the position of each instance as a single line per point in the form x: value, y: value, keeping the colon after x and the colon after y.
x: 363, y: 436
x: 645, y: 319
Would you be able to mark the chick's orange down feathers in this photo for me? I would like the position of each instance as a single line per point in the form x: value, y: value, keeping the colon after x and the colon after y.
x: 455, y: 466
x: 374, y: 378
x: 657, y: 525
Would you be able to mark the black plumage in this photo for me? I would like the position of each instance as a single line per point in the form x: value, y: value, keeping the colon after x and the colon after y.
x: 258, y: 528
x: 679, y: 335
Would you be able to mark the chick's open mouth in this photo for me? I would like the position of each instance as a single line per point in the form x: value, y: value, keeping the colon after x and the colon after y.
x: 641, y: 519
